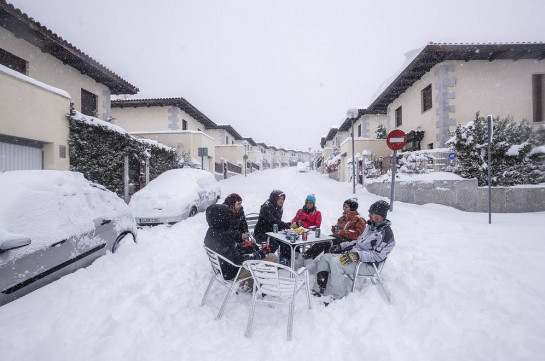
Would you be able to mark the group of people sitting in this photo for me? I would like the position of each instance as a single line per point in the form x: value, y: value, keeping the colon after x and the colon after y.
x: 355, y: 239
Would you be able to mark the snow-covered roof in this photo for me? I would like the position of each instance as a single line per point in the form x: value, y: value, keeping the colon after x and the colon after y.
x: 179, y: 102
x: 419, y: 61
x: 26, y: 28
x: 27, y: 79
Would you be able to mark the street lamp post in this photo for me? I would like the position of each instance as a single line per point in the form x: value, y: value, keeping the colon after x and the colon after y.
x: 353, y: 114
x: 245, y: 158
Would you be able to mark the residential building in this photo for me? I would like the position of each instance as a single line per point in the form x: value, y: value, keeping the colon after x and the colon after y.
x: 266, y: 152
x: 40, y: 74
x: 447, y: 84
x: 171, y: 121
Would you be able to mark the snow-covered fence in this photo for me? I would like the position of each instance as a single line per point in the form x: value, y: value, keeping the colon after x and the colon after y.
x: 465, y: 195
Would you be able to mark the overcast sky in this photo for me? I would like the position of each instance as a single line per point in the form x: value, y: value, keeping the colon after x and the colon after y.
x: 282, y: 72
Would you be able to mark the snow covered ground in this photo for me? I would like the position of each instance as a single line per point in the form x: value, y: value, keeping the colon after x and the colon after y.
x: 462, y: 290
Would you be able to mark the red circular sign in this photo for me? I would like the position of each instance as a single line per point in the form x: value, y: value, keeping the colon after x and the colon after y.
x: 396, y: 139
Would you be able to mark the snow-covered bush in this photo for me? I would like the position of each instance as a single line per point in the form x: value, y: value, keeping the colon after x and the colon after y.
x: 381, y: 132
x: 518, y: 153
x: 332, y: 163
x: 413, y: 163
x: 97, y: 149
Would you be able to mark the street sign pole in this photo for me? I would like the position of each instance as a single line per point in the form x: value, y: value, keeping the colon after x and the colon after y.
x: 489, y: 166
x: 395, y: 140
x: 394, y: 158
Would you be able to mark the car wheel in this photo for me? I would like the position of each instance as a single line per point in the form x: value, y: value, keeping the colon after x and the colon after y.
x: 122, y: 239
x: 193, y: 211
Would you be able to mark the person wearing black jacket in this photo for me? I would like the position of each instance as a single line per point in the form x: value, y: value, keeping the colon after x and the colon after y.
x: 270, y: 214
x: 238, y: 221
x: 220, y: 239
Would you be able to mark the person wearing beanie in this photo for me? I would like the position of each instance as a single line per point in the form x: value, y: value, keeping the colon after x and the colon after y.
x: 271, y: 213
x: 373, y: 246
x: 238, y: 222
x: 351, y: 225
x: 308, y: 215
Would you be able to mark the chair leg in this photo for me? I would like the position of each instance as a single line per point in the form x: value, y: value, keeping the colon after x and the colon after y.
x: 308, y: 290
x: 386, y: 293
x: 290, y: 320
x: 205, y: 296
x: 226, y: 299
x: 356, y: 272
x: 250, y: 320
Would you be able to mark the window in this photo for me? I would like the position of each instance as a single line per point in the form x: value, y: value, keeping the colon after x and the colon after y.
x: 399, y: 119
x: 13, y: 62
x: 359, y: 130
x: 426, y: 98
x: 184, y: 124
x: 226, y: 140
x: 538, y: 96
x: 88, y: 103
x: 430, y: 146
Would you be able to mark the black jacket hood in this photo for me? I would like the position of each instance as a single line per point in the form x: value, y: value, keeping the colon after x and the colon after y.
x: 218, y: 216
x: 275, y: 195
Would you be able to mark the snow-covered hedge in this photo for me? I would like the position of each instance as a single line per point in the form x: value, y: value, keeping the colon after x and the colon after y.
x: 518, y: 152
x: 98, y: 148
x: 332, y: 163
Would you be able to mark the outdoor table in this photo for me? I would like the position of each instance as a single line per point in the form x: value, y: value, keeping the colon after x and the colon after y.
x: 312, y: 239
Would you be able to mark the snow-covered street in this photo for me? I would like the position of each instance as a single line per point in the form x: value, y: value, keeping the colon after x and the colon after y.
x: 462, y: 290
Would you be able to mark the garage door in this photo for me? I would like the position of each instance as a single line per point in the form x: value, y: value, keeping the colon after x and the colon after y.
x: 19, y: 157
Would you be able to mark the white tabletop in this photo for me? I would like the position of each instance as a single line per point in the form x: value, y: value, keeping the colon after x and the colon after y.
x: 281, y: 236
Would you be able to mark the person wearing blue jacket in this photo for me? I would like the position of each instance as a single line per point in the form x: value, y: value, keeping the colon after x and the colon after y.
x: 373, y: 246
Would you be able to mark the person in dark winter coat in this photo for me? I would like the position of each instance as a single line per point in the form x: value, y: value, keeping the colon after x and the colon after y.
x: 220, y: 239
x: 351, y: 225
x: 374, y: 245
x: 271, y: 213
x: 238, y: 220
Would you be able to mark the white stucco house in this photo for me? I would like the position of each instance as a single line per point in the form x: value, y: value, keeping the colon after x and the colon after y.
x: 171, y: 121
x: 40, y: 74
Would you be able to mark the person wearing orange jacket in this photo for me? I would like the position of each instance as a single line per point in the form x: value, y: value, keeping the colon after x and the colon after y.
x: 350, y: 226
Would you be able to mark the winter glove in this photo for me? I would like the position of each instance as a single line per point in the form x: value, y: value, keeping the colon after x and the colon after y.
x: 335, y: 248
x: 246, y: 244
x: 265, y: 249
x: 246, y: 247
x: 348, y: 257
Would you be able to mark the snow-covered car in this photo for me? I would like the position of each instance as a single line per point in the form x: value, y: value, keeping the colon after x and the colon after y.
x: 174, y: 196
x: 302, y: 167
x: 51, y: 224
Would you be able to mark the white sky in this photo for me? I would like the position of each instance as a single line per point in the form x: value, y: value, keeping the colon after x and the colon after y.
x: 281, y: 71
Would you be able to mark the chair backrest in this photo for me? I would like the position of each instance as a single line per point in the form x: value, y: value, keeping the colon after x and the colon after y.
x: 268, y: 281
x: 251, y: 219
x: 215, y: 259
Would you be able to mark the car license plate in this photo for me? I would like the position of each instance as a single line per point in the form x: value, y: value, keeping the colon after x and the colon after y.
x: 149, y: 220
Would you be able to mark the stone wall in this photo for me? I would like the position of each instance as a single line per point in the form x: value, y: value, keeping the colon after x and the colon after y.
x: 465, y: 195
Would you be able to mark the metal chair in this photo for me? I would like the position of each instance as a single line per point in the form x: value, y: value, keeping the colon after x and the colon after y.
x: 278, y: 289
x: 251, y: 219
x: 374, y: 278
x: 217, y: 276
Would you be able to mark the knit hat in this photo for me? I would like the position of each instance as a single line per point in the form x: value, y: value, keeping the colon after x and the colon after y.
x: 380, y: 207
x: 352, y: 203
x: 312, y: 198
x: 231, y: 199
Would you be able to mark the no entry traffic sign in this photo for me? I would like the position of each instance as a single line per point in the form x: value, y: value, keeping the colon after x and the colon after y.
x: 396, y: 139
